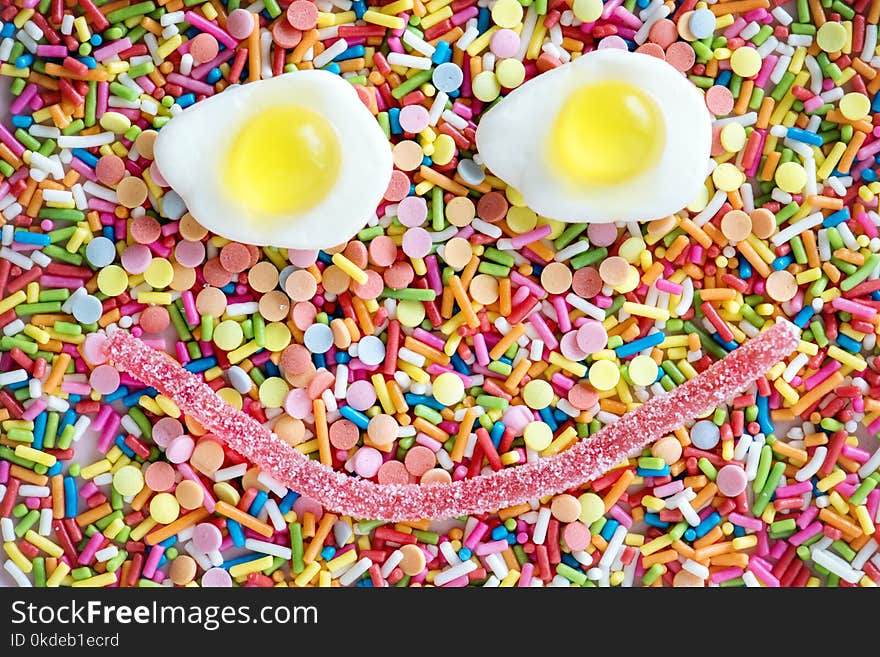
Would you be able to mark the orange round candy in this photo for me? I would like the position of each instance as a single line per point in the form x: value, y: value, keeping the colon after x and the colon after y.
x: 203, y: 48
x: 344, y: 434
x: 274, y: 305
x: 131, y: 191
x: 109, y: 169
x: 736, y: 225
x: 182, y: 570
x: 556, y: 278
x: 235, y: 257
x: 154, y: 319
x: 207, y: 457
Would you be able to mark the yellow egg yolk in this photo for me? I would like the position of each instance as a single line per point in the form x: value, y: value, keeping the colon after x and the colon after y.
x: 606, y: 133
x: 284, y: 160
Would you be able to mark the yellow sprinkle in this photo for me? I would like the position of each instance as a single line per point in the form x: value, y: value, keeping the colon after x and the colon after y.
x: 58, y: 575
x: 831, y: 480
x: 852, y: 360
x: 254, y: 566
x: 642, y: 310
x: 378, y: 18
x: 356, y: 273
x: 98, y: 581
x: 93, y: 470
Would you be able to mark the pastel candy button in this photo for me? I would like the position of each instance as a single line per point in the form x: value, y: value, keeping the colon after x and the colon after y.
x: 731, y: 480
x: 592, y: 336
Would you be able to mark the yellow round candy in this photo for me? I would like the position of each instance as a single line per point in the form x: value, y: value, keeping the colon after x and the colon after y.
x: 604, y: 375
x: 277, y: 336
x: 115, y: 122
x: 727, y: 177
x: 855, y: 106
x: 164, y: 508
x: 448, y: 389
x: 745, y: 62
x: 630, y: 283
x: 521, y: 220
x: 592, y: 508
x: 128, y: 480
x: 273, y: 391
x: 587, y: 11
x: 700, y: 201
x: 831, y: 37
x: 538, y: 436
x: 632, y: 249
x: 507, y: 13
x: 537, y: 394
x: 556, y: 227
x: 444, y: 150
x: 643, y: 370
x: 410, y: 313
x: 159, y: 273
x: 226, y: 492
x: 112, y: 280
x: 733, y: 137
x: 790, y: 177
x: 514, y: 197
x: 228, y: 335
x: 485, y: 86
x: 510, y: 72
x: 231, y: 396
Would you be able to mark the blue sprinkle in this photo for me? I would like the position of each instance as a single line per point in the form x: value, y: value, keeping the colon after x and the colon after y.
x: 836, y: 219
x: 634, y: 347
x: 286, y: 504
x: 394, y: 121
x: 712, y: 520
x: 352, y: 415
x: 805, y: 136
x: 120, y: 443
x: 85, y: 156
x: 763, y: 404
x: 117, y: 394
x: 804, y: 316
x: 21, y: 121
x: 608, y: 530
x: 258, y: 503
x: 496, y: 433
x: 70, y: 497
x: 352, y: 52
x: 237, y: 535
x: 782, y: 262
x: 26, y: 237
x: 200, y: 364
x: 846, y: 342
x: 653, y: 519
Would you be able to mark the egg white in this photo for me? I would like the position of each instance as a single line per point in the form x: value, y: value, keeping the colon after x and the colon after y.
x: 191, y: 153
x: 511, y: 140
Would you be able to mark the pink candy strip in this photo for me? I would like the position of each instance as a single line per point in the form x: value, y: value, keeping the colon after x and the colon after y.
x: 361, y: 498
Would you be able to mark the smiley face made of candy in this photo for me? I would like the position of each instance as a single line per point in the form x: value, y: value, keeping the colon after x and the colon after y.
x: 437, y: 258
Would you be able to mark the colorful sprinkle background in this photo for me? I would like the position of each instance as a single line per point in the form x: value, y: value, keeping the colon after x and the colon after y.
x: 357, y: 355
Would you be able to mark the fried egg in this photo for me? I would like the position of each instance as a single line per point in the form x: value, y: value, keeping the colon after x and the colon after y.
x: 295, y: 161
x: 611, y: 136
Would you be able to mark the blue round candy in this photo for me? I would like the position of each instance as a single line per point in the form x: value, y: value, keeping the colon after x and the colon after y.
x: 702, y: 23
x: 705, y: 434
x: 87, y: 309
x: 100, y: 252
x: 447, y: 77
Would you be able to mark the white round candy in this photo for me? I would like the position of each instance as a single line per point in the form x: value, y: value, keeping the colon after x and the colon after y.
x: 318, y: 338
x: 705, y: 434
x: 371, y: 350
x: 87, y: 309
